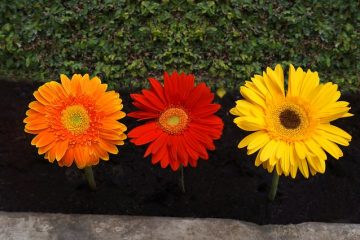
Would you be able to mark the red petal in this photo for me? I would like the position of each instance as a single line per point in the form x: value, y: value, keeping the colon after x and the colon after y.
x: 214, y: 133
x: 165, y: 159
x: 148, y: 137
x: 160, y: 142
x: 143, y: 129
x: 173, y: 153
x: 186, y: 84
x: 191, y: 152
x: 173, y: 150
x: 158, y: 89
x: 141, y: 102
x: 153, y: 98
x: 148, y: 150
x: 156, y: 157
x: 205, y: 111
x: 171, y: 87
x: 195, y: 145
x: 193, y: 162
x: 202, y: 138
x: 211, y: 121
x: 195, y: 96
x: 156, y: 144
x: 142, y: 115
x: 182, y: 153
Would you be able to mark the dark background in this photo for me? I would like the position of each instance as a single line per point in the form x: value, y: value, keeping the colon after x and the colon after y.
x: 228, y: 185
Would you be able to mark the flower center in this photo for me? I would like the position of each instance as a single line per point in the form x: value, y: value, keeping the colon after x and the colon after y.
x: 174, y: 120
x: 289, y: 119
x: 75, y: 119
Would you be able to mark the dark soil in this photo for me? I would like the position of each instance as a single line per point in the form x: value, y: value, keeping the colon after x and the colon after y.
x: 228, y: 185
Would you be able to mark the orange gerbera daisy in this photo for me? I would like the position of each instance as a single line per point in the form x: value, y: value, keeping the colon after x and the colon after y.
x: 76, y: 121
x: 181, y: 123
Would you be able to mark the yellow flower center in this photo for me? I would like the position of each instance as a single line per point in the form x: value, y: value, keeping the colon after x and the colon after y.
x: 174, y: 120
x: 289, y: 119
x: 75, y: 119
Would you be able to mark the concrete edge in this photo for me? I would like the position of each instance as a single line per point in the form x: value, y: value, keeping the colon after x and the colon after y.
x: 38, y: 226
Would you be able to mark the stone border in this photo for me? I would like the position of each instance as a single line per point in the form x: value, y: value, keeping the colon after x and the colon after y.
x: 37, y: 226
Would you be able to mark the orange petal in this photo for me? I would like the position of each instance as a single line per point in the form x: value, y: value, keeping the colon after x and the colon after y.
x: 68, y: 158
x: 46, y: 148
x: 45, y: 138
x: 80, y: 157
x: 61, y: 148
x: 111, y: 148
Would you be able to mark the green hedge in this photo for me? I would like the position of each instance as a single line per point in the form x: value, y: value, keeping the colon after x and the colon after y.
x: 222, y: 42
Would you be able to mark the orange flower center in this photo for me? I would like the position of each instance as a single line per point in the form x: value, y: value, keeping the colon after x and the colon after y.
x: 174, y: 120
x: 75, y: 119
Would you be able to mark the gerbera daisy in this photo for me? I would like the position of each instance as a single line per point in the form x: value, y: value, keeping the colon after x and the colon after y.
x: 76, y: 120
x: 292, y: 129
x: 181, y: 125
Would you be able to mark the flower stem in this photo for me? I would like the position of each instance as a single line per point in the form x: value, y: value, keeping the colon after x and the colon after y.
x: 181, y: 180
x: 90, y: 178
x: 274, y: 185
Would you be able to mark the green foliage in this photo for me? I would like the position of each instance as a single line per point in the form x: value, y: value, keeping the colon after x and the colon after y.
x: 221, y: 42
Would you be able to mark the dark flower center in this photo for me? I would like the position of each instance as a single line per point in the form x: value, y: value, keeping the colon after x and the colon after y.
x: 290, y: 119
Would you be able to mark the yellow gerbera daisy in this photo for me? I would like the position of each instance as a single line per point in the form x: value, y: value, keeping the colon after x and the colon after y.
x: 292, y: 129
x: 76, y: 121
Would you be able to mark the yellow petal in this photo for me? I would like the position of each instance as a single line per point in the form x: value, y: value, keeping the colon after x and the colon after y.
x: 273, y: 87
x: 235, y: 112
x: 333, y: 137
x: 273, y: 160
x: 309, y: 83
x: 250, y: 123
x: 293, y: 171
x: 269, y: 150
x: 292, y: 154
x: 325, y: 94
x: 303, y: 167
x: 278, y: 169
x: 295, y: 80
x: 246, y: 108
x: 285, y: 160
x: 259, y: 141
x: 329, y: 146
x: 251, y: 137
x: 314, y: 147
x: 348, y: 115
x: 277, y: 79
x: 260, y: 85
x: 312, y: 171
x: 281, y: 149
x: 335, y: 130
x: 300, y: 149
x: 257, y: 160
x: 251, y: 96
x: 280, y: 72
x: 294, y: 162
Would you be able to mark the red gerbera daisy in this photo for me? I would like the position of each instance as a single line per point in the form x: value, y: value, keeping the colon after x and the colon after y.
x: 181, y: 123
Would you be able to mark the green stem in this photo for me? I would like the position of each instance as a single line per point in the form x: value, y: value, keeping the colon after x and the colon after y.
x: 181, y: 180
x: 274, y: 186
x: 90, y: 178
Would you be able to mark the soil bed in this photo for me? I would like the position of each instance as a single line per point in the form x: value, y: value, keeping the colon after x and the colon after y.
x: 228, y: 185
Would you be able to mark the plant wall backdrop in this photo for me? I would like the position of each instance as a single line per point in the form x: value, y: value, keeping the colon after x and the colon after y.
x: 222, y: 42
